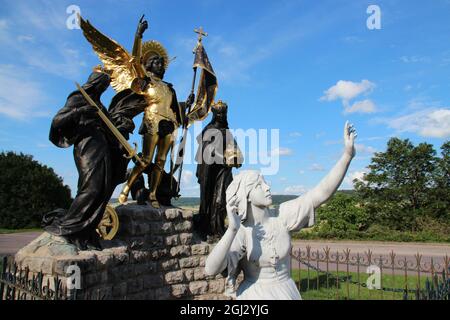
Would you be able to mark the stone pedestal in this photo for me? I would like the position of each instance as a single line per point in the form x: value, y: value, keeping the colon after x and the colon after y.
x: 153, y: 256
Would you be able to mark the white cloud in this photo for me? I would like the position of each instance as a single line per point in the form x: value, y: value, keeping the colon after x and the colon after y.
x: 186, y: 177
x: 363, y: 149
x: 301, y: 172
x: 320, y: 134
x: 415, y: 59
x: 3, y: 24
x: 317, y: 167
x: 37, y: 37
x: 421, y: 103
x: 20, y: 98
x: 294, y: 190
x: 347, y: 90
x: 365, y: 106
x: 295, y: 134
x: 43, y: 145
x: 280, y: 152
x: 408, y: 88
x: 430, y: 123
x: 354, y: 175
x: 352, y: 39
x: 25, y: 38
x: 189, y: 185
x: 235, y: 54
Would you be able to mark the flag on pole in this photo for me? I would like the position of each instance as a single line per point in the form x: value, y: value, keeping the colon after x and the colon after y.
x: 207, y: 86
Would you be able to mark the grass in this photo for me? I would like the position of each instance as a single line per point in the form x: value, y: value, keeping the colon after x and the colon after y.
x: 378, y: 235
x: 316, y: 288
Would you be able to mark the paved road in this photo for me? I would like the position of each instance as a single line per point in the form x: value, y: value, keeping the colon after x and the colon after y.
x: 378, y: 248
x: 11, y: 243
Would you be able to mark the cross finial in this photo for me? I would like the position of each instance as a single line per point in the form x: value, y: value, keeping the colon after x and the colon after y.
x: 201, y: 33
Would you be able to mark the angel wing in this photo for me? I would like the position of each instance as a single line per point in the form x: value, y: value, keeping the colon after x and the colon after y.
x: 117, y: 62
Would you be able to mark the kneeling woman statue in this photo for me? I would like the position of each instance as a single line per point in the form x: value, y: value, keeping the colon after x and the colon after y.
x: 259, y: 243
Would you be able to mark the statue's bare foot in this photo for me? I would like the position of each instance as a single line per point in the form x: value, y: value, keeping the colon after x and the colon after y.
x: 123, y: 198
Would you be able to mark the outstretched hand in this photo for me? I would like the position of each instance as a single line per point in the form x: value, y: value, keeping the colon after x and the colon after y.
x: 349, y: 139
x: 234, y: 220
x: 143, y: 25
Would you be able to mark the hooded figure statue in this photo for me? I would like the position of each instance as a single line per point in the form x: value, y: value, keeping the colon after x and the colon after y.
x: 217, y: 154
x: 95, y: 152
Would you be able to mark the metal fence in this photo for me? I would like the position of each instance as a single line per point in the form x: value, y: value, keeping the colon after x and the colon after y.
x: 21, y: 284
x: 319, y: 274
x: 324, y: 274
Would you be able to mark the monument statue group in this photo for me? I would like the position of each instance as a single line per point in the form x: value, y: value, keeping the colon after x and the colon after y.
x: 253, y: 241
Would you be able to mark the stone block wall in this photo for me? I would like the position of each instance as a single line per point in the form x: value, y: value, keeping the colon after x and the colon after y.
x: 155, y: 255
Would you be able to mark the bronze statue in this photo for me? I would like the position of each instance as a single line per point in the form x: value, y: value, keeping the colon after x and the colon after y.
x: 99, y: 161
x: 217, y: 154
x: 139, y: 79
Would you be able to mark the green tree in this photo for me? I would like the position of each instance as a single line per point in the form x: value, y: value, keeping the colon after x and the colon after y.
x: 441, y: 194
x: 400, y: 184
x: 28, y: 190
x: 342, y: 215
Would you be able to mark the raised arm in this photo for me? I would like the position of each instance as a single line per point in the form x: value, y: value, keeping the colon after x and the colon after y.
x: 137, y: 46
x: 217, y: 259
x: 328, y: 186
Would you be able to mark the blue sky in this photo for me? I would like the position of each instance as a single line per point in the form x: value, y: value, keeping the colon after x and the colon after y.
x: 303, y: 67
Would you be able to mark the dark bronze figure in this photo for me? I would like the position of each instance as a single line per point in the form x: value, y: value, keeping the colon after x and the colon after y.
x: 99, y: 160
x: 217, y: 154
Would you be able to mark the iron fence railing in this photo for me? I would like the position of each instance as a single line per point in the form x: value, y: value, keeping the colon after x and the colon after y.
x: 347, y: 275
x: 21, y: 284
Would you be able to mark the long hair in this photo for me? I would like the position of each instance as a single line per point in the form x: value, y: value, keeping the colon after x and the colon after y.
x: 242, y: 185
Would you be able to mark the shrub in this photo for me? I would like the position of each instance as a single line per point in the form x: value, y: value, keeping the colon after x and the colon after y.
x: 28, y: 189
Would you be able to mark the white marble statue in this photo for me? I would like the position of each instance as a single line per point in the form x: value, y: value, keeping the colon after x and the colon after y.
x: 258, y: 242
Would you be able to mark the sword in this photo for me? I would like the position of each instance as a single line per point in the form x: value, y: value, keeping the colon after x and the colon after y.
x: 132, y: 152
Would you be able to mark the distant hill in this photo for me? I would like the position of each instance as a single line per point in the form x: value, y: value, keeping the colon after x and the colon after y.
x: 195, y: 201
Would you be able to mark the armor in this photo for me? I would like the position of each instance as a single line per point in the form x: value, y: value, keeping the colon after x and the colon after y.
x: 142, y: 72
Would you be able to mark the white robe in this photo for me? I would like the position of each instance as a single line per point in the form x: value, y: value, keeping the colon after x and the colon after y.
x: 263, y: 253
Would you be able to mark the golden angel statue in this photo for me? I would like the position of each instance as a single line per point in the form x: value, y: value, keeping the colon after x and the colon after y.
x: 138, y: 79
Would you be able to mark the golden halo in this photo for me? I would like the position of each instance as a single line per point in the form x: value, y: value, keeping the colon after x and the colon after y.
x: 153, y: 47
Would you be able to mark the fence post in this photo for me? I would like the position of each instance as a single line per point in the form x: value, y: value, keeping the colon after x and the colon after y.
x: 2, y: 277
x: 392, y: 256
x: 347, y: 261
x: 337, y: 275
x: 317, y: 271
x: 327, y: 259
x: 308, y: 260
x: 447, y: 266
x: 418, y: 261
x: 381, y: 277
x: 358, y: 259
x: 405, y: 261
x: 369, y: 263
x: 299, y: 270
